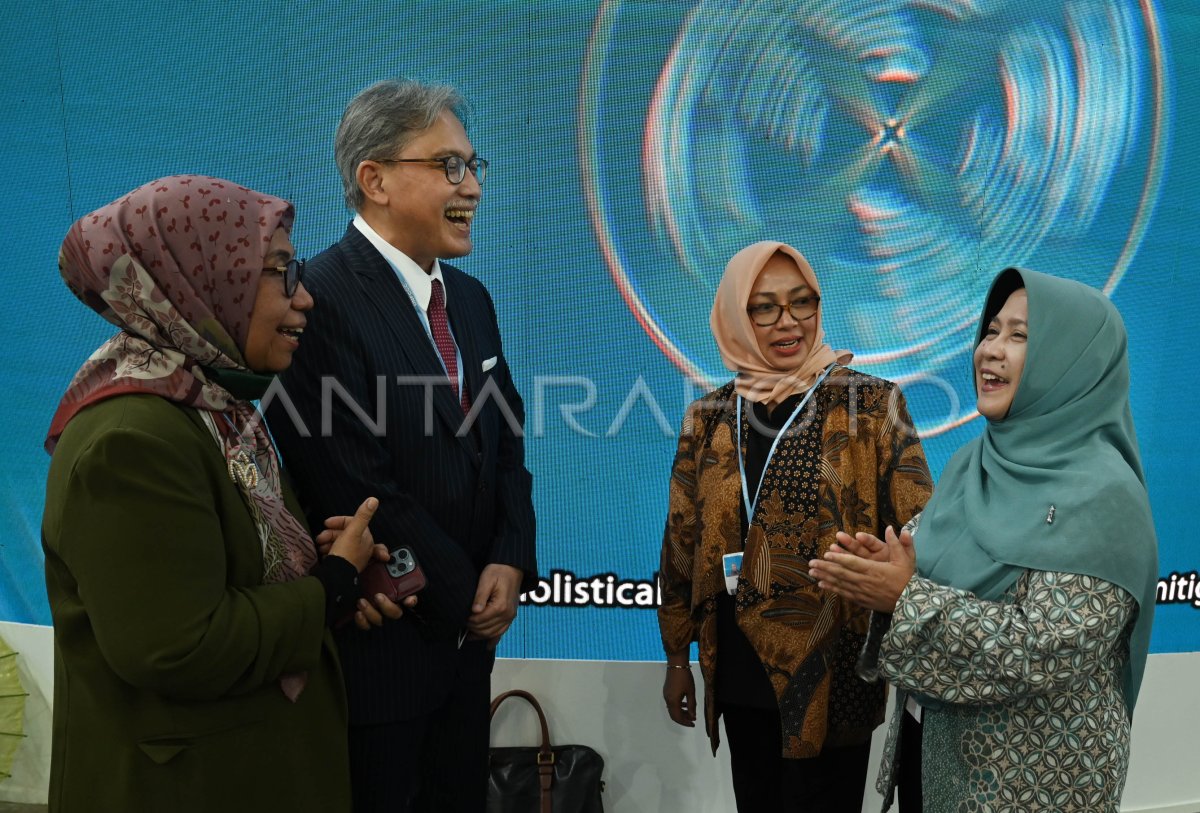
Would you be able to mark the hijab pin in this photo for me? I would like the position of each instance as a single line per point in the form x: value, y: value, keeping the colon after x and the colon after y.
x: 243, y: 469
x: 1050, y: 516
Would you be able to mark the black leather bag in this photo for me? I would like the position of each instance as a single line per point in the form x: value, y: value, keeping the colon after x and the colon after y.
x: 546, y: 778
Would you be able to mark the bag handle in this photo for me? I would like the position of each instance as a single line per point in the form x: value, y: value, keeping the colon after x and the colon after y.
x: 545, y: 757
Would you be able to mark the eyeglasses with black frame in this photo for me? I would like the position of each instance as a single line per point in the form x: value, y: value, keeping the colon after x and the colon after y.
x: 455, y: 165
x: 766, y: 314
x: 293, y: 274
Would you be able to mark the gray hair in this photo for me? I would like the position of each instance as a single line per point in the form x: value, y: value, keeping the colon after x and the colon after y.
x: 382, y: 119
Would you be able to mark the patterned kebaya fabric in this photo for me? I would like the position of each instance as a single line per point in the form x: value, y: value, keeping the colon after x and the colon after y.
x: 850, y: 462
x: 175, y: 265
x: 1025, y: 705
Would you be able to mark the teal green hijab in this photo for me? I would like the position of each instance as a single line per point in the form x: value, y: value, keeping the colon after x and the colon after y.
x: 1057, y: 484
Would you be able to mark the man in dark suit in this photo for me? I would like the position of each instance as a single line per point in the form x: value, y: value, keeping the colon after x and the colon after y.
x: 400, y: 390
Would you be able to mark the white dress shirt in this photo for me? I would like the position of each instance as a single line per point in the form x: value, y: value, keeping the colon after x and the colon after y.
x: 417, y: 284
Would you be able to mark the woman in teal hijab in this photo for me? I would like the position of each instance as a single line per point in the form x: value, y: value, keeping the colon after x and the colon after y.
x: 1018, y: 622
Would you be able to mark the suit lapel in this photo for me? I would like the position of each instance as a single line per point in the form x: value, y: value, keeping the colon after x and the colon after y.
x: 464, y: 323
x: 396, y: 310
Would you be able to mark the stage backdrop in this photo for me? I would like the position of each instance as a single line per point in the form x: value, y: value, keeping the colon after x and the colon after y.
x: 910, y: 149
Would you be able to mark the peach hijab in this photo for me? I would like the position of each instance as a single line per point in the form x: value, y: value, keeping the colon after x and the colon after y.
x: 757, y: 379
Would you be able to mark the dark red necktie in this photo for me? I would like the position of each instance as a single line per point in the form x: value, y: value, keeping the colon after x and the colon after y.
x: 445, y: 345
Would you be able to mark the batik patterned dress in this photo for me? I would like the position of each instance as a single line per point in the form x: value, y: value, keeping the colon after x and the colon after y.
x: 1024, y: 708
x: 853, y: 464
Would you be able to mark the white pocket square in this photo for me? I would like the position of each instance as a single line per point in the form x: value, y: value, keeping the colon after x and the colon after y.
x: 489, y: 363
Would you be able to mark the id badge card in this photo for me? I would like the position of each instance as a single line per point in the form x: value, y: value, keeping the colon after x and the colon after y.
x: 732, y: 563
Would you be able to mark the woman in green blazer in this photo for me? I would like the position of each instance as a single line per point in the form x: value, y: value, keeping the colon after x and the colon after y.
x: 194, y: 669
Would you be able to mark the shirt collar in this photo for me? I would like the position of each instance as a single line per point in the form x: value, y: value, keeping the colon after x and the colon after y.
x: 419, y: 283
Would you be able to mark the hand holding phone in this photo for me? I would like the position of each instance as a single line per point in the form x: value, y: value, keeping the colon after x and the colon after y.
x: 398, y: 577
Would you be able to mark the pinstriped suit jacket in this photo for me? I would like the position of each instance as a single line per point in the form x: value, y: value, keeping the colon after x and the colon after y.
x: 359, y: 418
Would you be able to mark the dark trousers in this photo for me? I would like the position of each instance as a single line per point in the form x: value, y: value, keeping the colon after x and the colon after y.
x: 437, y: 763
x: 908, y: 779
x: 765, y: 782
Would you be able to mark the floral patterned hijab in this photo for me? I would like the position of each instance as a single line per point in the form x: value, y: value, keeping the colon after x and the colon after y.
x: 175, y: 265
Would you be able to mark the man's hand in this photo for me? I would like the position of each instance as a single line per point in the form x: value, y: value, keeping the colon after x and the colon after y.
x: 495, y: 604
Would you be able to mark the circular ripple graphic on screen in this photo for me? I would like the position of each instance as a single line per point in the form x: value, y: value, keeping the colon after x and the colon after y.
x: 909, y: 149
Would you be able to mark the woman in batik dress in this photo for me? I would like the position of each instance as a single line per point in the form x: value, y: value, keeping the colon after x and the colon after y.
x: 1021, y: 637
x: 771, y: 466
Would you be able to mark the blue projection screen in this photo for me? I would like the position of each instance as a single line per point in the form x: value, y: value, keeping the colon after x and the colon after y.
x: 910, y: 148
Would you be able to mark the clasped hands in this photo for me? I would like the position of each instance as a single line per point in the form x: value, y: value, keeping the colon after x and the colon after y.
x: 866, y: 570
x: 861, y: 568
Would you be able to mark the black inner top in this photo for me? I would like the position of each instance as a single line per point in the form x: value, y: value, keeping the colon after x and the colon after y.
x: 740, y: 677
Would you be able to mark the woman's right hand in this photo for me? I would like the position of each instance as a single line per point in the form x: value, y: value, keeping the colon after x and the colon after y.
x: 679, y: 690
x: 868, y: 583
x: 863, y: 544
x: 353, y: 541
x: 335, y: 527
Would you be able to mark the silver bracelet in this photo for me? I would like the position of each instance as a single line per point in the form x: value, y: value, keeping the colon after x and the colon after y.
x: 677, y: 666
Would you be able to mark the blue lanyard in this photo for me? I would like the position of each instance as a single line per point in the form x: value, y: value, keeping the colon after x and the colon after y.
x: 750, y: 506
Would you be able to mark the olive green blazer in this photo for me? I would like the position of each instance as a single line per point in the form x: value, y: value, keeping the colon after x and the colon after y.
x: 168, y: 646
